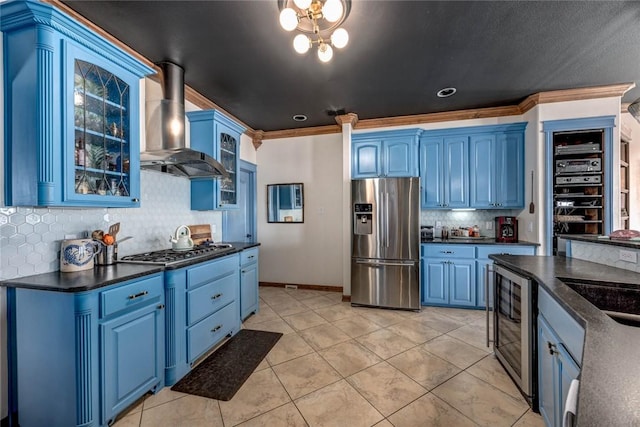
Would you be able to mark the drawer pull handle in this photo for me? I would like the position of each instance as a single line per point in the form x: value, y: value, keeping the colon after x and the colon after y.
x: 216, y: 296
x: 552, y: 348
x: 138, y: 295
x: 252, y: 256
x: 160, y: 307
x: 217, y: 328
x: 446, y: 252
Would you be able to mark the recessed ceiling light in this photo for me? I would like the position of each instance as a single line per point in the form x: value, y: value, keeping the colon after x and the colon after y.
x: 300, y: 118
x: 446, y: 92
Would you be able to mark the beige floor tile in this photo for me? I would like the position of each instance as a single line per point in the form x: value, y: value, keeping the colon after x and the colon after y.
x: 430, y: 411
x: 287, y: 348
x: 323, y: 336
x: 474, y: 335
x: 289, y: 308
x: 305, y: 374
x: 306, y: 320
x: 439, y: 322
x: 278, y: 299
x: 349, y: 357
x: 302, y: 294
x: 318, y: 302
x: 386, y: 388
x: 356, y: 326
x: 462, y: 314
x: 261, y: 393
x: 276, y: 325
x: 188, y: 411
x: 480, y: 401
x: 385, y: 343
x: 163, y: 396
x: 337, y: 405
x: 530, y: 419
x: 284, y: 416
x: 265, y: 314
x: 335, y: 312
x: 129, y: 420
x: 334, y: 296
x: 454, y: 351
x: 424, y: 368
x: 383, y: 423
x: 264, y: 364
x: 381, y: 317
x: 415, y: 332
x: 489, y: 370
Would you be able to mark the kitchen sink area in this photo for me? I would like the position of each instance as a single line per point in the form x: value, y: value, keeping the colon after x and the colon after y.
x: 620, y: 302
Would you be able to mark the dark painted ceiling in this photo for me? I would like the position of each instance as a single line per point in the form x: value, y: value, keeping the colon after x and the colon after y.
x: 400, y: 53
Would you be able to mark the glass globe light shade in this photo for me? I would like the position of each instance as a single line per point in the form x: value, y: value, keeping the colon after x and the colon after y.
x: 301, y: 43
x: 340, y: 38
x: 288, y: 19
x: 325, y: 52
x: 302, y: 4
x: 332, y: 10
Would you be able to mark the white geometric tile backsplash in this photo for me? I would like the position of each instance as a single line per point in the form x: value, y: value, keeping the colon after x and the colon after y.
x: 30, y: 237
x: 454, y: 219
x: 603, y: 254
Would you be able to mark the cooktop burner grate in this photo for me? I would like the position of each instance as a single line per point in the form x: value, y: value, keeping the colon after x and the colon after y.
x: 169, y: 256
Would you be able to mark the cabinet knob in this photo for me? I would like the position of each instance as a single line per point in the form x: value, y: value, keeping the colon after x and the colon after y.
x: 160, y: 307
x: 135, y: 200
x: 552, y: 348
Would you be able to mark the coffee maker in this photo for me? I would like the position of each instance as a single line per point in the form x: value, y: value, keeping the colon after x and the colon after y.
x: 506, y: 229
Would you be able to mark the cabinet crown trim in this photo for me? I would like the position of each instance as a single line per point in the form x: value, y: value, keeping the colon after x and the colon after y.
x: 202, y: 115
x: 386, y: 134
x: 510, y: 127
x: 17, y: 15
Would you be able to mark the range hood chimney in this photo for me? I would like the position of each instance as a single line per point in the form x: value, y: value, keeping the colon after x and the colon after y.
x: 166, y: 151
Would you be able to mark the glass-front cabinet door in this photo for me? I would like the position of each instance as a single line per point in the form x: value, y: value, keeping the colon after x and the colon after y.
x: 228, y: 195
x: 104, y: 134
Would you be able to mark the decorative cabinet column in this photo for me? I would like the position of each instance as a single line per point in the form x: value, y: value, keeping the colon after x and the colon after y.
x: 72, y: 112
x: 218, y: 136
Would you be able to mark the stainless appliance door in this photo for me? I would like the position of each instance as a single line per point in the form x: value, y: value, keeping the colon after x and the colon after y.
x: 396, y: 218
x: 385, y: 283
x: 513, y: 323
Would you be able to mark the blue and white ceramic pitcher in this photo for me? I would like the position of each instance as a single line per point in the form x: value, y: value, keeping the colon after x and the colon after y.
x: 77, y: 254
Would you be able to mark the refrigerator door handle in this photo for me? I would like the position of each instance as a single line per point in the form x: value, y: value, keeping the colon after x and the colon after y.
x: 386, y: 263
x: 386, y: 219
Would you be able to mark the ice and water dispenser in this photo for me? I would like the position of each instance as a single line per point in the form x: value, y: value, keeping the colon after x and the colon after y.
x: 363, y: 218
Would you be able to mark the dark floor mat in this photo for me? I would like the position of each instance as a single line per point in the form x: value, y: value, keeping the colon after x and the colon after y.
x: 221, y: 374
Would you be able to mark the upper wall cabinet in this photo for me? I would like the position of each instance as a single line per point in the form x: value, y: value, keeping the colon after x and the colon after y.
x: 497, y: 163
x: 218, y: 136
x: 475, y: 167
x: 72, y: 135
x: 385, y: 154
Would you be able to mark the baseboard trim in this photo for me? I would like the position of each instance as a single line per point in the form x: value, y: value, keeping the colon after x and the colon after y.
x: 325, y: 288
x: 346, y: 298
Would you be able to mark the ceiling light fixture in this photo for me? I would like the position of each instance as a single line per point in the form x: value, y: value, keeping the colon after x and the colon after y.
x: 319, y: 18
x: 446, y: 92
x: 300, y: 118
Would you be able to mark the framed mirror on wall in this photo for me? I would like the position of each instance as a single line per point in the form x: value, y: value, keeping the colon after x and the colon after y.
x: 285, y: 203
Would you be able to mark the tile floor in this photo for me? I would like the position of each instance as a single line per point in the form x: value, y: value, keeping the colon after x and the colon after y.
x: 338, y: 365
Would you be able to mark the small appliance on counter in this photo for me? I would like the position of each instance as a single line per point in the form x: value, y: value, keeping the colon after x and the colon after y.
x: 426, y: 233
x: 506, y: 229
x: 181, y: 241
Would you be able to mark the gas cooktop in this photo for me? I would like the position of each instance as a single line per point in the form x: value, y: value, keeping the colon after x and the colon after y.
x: 171, y: 256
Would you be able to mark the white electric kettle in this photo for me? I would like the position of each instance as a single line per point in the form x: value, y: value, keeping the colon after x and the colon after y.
x: 77, y: 254
x: 182, y: 240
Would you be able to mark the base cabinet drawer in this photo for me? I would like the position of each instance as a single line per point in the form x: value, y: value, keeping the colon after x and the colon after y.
x: 211, y: 297
x: 211, y: 330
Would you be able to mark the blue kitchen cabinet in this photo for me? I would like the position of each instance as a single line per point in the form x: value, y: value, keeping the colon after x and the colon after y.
x: 72, y: 119
x: 448, y: 275
x: 497, y: 159
x: 203, y: 309
x: 80, y: 358
x: 249, y: 301
x: 483, y: 266
x: 560, y: 346
x: 385, y: 154
x: 444, y: 172
x: 216, y: 135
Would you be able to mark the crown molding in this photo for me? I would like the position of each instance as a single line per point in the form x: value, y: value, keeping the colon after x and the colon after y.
x: 349, y: 118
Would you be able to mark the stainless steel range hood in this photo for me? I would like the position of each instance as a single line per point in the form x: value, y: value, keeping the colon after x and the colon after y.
x: 166, y: 151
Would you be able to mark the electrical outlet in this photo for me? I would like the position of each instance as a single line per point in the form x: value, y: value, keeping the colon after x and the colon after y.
x: 628, y: 256
x: 530, y: 227
x: 488, y: 225
x: 105, y: 218
x: 438, y: 223
x: 213, y: 228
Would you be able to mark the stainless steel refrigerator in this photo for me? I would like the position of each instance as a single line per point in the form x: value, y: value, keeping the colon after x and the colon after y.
x: 385, y: 251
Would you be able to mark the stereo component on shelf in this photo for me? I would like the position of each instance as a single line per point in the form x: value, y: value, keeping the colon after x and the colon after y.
x: 592, y: 179
x: 590, y: 147
x: 578, y: 165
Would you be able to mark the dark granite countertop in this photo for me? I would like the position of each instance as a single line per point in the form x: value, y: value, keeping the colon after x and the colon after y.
x: 634, y: 244
x: 106, y: 275
x: 609, y: 393
x: 484, y: 241
x: 237, y: 247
